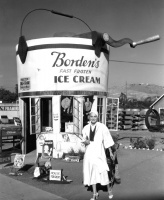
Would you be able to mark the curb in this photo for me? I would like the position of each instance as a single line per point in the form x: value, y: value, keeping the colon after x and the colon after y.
x: 130, y: 147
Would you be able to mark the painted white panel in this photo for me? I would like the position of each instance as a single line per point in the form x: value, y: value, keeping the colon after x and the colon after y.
x: 62, y: 68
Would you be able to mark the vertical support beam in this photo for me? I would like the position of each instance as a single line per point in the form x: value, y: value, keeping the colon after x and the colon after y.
x: 22, y: 115
x: 104, y: 110
x: 81, y: 99
x: 56, y: 116
x: 76, y: 113
x: 0, y: 141
x: 50, y: 112
x: 94, y: 106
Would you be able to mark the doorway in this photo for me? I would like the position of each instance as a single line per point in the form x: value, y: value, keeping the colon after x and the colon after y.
x: 30, y: 139
x: 46, y: 113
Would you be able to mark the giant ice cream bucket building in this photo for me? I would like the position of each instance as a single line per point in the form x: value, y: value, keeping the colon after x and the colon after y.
x: 60, y: 81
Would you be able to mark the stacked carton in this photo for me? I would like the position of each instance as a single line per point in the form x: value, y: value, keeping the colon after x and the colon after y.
x: 131, y: 119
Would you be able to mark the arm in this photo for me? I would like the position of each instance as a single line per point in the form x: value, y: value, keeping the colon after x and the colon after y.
x: 108, y: 140
x: 113, y: 152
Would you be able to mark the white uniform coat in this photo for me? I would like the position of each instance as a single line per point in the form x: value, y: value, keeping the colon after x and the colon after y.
x: 95, y: 167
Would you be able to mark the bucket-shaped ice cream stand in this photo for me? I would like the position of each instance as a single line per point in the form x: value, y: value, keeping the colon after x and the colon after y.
x: 61, y: 80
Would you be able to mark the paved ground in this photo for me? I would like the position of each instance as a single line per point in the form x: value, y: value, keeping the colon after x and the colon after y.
x: 11, y: 189
x: 142, y: 174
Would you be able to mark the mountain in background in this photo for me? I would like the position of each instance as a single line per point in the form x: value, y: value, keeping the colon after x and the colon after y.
x: 139, y: 91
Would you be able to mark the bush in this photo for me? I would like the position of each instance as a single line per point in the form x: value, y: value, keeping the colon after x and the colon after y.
x: 138, y: 143
x: 151, y: 142
x: 115, y: 139
x: 145, y: 142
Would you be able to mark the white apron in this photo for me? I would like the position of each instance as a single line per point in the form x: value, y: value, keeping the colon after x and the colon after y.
x: 95, y: 168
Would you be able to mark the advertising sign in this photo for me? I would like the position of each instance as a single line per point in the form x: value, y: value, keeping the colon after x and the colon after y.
x: 55, y: 175
x: 25, y: 83
x: 60, y: 64
x: 48, y: 148
x: 19, y: 160
x: 69, y: 127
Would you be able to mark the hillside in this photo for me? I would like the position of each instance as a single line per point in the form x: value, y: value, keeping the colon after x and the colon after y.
x: 137, y: 91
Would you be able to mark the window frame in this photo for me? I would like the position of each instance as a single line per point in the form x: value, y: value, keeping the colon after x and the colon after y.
x: 36, y: 115
x: 100, y: 103
x: 114, y: 104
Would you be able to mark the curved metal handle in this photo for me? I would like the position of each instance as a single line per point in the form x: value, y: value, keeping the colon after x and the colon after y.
x: 53, y: 12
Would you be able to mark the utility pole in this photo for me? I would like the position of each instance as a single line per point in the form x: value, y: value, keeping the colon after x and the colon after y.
x: 126, y: 92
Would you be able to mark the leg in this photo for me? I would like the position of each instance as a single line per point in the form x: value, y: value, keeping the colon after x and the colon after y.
x: 94, y: 189
x: 95, y: 194
x: 117, y: 174
x: 109, y: 188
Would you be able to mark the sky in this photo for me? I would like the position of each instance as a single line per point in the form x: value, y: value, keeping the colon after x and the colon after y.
x: 134, y: 19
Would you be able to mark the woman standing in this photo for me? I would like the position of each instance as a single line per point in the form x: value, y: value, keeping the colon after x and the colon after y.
x: 95, y: 168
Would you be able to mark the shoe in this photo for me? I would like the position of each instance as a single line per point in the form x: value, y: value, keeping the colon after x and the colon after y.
x: 117, y: 175
x: 117, y: 180
x: 110, y: 194
x: 95, y: 196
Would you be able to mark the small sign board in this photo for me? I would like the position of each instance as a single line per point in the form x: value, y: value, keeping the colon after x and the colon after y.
x: 11, y: 131
x: 55, y: 175
x: 19, y: 160
x: 69, y: 127
x: 25, y: 83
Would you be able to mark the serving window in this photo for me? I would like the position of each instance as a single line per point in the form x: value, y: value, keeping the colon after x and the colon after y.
x: 66, y: 111
x: 74, y: 112
x: 40, y: 114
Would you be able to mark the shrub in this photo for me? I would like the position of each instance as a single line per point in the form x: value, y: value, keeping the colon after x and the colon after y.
x: 145, y: 142
x: 138, y: 143
x: 115, y: 139
x: 150, y: 142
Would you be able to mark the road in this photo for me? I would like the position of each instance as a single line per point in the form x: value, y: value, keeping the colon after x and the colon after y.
x: 142, y: 175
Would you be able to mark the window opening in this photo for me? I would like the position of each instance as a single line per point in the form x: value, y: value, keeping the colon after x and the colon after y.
x: 40, y: 114
x: 46, y: 113
x: 87, y: 106
x: 66, y: 111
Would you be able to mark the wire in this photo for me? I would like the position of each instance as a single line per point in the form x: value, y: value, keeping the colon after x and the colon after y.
x: 140, y: 63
